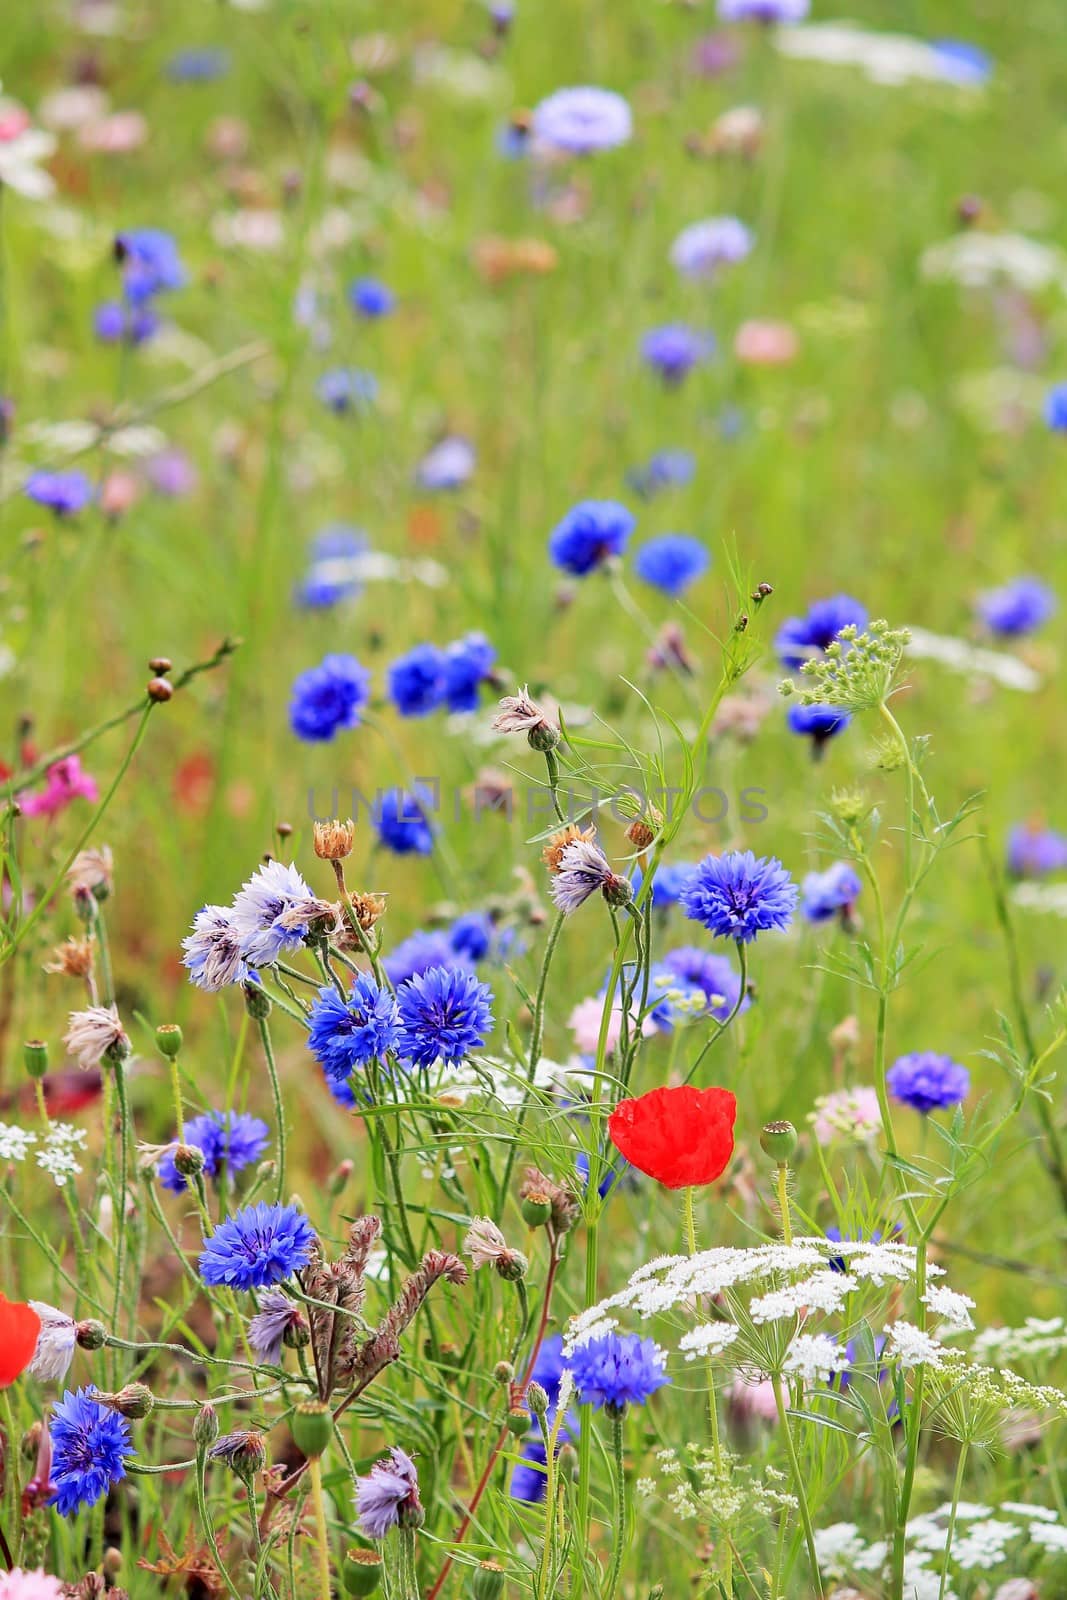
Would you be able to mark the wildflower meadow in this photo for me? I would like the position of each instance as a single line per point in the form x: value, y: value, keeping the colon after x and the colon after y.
x: 533, y: 837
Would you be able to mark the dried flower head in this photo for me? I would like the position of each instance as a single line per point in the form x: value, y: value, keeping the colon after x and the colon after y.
x: 72, y: 959
x: 334, y: 840
x: 520, y: 714
x: 368, y: 909
x: 92, y: 870
x: 96, y: 1035
x: 552, y: 853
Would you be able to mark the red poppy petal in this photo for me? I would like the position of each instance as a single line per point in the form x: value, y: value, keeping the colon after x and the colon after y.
x: 19, y: 1328
x: 682, y: 1137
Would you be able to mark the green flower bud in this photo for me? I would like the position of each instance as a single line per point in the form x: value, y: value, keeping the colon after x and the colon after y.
x: 205, y: 1427
x: 257, y: 1003
x: 779, y: 1141
x: 504, y: 1372
x: 189, y: 1160
x: 311, y: 1426
x: 488, y: 1581
x: 136, y: 1400
x: 537, y: 1400
x: 511, y: 1265
x: 536, y: 1210
x: 544, y: 737
x: 90, y: 1335
x: 168, y: 1039
x: 35, y: 1057
x: 518, y: 1423
x: 617, y: 891
x: 361, y: 1572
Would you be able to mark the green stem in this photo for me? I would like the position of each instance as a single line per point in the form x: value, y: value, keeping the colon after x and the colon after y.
x: 209, y: 1528
x: 620, y: 1503
x: 120, y: 1217
x: 783, y: 1203
x: 798, y: 1484
x: 534, y: 1056
x: 279, y: 1109
x: 957, y: 1490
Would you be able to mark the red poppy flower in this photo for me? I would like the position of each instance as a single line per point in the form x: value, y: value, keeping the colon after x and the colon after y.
x: 19, y: 1327
x: 681, y: 1137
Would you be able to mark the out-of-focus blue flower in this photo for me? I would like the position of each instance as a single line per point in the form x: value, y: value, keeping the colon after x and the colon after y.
x: 471, y: 936
x: 664, y: 470
x: 328, y: 698
x: 445, y: 1013
x: 263, y: 913
x: 172, y: 474
x: 672, y: 562
x: 528, y: 1478
x: 344, y: 1034
x: 801, y: 639
x: 583, y: 120
x: 419, y: 952
x: 257, y: 1246
x: 331, y: 575
x: 418, y: 680
x: 402, y: 823
x: 371, y: 298
x: 150, y: 263
x: 823, y: 894
x: 678, y: 1000
x: 739, y: 895
x: 345, y: 389
x: 704, y: 247
x: 1018, y: 607
x: 589, y: 534
x: 818, y: 723
x: 213, y: 951
x: 711, y: 973
x: 198, y: 65
x: 1056, y: 408
x: 674, y: 350
x: 617, y: 1370
x: 927, y: 1081
x: 765, y: 11
x: 963, y: 63
x: 277, y: 1314
x: 667, y: 884
x: 1033, y: 852
x: 90, y: 1448
x: 609, y: 1175
x: 230, y: 1139
x: 448, y: 465
x: 388, y: 1496
x: 114, y: 322
x: 468, y: 662
x: 64, y: 493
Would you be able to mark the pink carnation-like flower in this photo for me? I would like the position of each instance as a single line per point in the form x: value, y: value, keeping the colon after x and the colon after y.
x: 65, y: 781
x: 766, y: 344
x: 847, y: 1114
x: 585, y: 1022
x: 38, y: 1585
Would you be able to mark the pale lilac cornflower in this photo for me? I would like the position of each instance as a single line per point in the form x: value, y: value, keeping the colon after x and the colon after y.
x: 213, y: 951
x: 581, y: 121
x: 94, y: 1034
x: 847, y: 1114
x: 56, y: 1342
x: 277, y: 1314
x: 259, y: 911
x: 704, y: 247
x: 583, y: 869
x: 388, y: 1497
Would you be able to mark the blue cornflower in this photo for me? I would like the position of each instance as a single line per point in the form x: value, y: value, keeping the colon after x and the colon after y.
x: 417, y: 681
x: 370, y: 297
x: 150, y: 263
x: 712, y: 974
x: 591, y: 531
x: 617, y: 1370
x: 674, y: 350
x: 346, y: 1034
x: 582, y: 120
x: 328, y: 698
x: 1033, y: 851
x: 448, y: 465
x: 345, y: 389
x: 927, y: 1081
x: 765, y: 11
x: 800, y: 639
x: 1017, y: 607
x: 230, y: 1139
x: 834, y: 1234
x: 402, y: 823
x: 671, y: 562
x: 702, y: 248
x: 962, y: 62
x: 114, y: 323
x: 1056, y: 408
x: 213, y: 951
x: 331, y: 575
x: 739, y: 895
x: 665, y: 469
x: 64, y: 493
x: 257, y: 1246
x: 418, y: 953
x: 201, y: 64
x: 90, y: 1448
x: 825, y: 893
x: 528, y: 1478
x: 445, y: 1013
x: 667, y: 884
x: 388, y: 1496
x: 265, y: 913
x: 468, y: 662
x: 609, y: 1176
x: 471, y: 936
x: 818, y: 723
